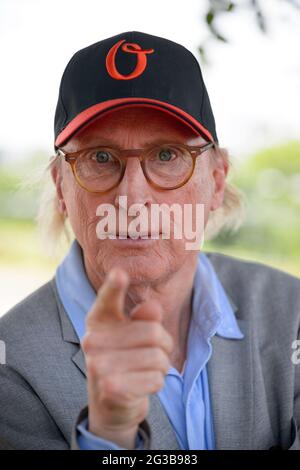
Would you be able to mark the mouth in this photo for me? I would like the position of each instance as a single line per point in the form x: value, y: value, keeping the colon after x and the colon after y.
x: 136, y: 240
x: 134, y: 236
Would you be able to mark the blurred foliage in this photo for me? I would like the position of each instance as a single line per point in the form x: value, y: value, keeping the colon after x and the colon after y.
x: 218, y: 9
x: 19, y: 188
x: 20, y: 245
x: 270, y: 180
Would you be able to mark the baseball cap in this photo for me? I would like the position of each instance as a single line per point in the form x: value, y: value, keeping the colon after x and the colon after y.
x: 132, y: 69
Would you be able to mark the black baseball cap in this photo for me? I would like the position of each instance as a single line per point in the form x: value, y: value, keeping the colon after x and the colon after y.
x: 132, y: 69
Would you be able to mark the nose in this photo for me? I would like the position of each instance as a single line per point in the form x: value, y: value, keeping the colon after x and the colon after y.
x: 134, y: 184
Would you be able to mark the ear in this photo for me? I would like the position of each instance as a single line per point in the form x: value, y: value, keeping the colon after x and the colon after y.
x: 56, y: 174
x: 219, y: 175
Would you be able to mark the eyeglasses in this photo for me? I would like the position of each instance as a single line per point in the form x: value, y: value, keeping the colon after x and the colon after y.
x: 166, y: 166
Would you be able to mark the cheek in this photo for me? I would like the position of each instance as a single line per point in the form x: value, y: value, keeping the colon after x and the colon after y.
x: 205, y: 181
x: 81, y: 207
x: 200, y: 191
x: 200, y: 188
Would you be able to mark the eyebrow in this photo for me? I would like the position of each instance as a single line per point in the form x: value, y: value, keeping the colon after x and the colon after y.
x: 160, y: 141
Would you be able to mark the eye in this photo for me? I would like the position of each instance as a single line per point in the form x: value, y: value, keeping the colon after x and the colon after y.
x: 165, y: 155
x: 102, y: 156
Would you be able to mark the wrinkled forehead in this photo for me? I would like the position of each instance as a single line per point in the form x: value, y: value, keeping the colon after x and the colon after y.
x: 149, y: 124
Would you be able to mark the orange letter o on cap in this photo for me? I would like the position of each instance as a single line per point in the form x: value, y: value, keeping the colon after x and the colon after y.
x: 131, y: 48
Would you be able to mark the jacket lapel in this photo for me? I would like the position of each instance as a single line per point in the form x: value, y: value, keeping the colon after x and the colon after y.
x: 230, y: 375
x: 79, y: 361
x: 231, y: 380
x: 68, y: 333
x: 163, y: 436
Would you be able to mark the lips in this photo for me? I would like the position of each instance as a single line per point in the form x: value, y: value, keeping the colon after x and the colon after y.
x: 134, y: 236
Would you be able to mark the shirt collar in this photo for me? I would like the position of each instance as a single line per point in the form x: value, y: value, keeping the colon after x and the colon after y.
x: 74, y: 288
x: 211, y: 308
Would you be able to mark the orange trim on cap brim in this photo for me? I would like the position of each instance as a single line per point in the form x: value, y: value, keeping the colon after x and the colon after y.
x: 88, y: 114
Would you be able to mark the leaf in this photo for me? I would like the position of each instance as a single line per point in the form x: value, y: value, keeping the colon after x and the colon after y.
x: 210, y: 17
x: 231, y: 6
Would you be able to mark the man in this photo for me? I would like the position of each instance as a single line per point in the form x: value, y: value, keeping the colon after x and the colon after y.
x: 139, y: 342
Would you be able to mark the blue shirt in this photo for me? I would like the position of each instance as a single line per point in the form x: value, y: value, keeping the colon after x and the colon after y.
x: 185, y: 396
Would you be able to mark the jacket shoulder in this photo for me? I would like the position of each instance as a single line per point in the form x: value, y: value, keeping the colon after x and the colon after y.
x: 34, y: 312
x: 258, y: 288
x: 241, y: 269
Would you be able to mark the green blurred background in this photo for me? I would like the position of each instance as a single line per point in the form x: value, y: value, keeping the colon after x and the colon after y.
x: 270, y: 234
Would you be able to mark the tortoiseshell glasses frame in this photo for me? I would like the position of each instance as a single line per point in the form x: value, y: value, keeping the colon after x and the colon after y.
x: 142, y: 154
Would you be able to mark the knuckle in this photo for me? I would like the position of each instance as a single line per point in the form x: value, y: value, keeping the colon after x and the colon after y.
x: 109, y: 386
x: 160, y: 359
x: 155, y: 332
x: 169, y: 342
x: 166, y: 365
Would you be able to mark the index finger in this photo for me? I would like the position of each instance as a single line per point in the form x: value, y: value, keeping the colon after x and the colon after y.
x: 109, y: 303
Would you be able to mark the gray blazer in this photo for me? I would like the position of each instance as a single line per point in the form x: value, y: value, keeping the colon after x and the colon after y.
x: 255, y: 387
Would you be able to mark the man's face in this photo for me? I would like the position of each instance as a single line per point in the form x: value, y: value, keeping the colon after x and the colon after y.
x: 151, y: 260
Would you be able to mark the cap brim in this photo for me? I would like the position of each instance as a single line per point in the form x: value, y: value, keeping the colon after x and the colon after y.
x: 92, y: 112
